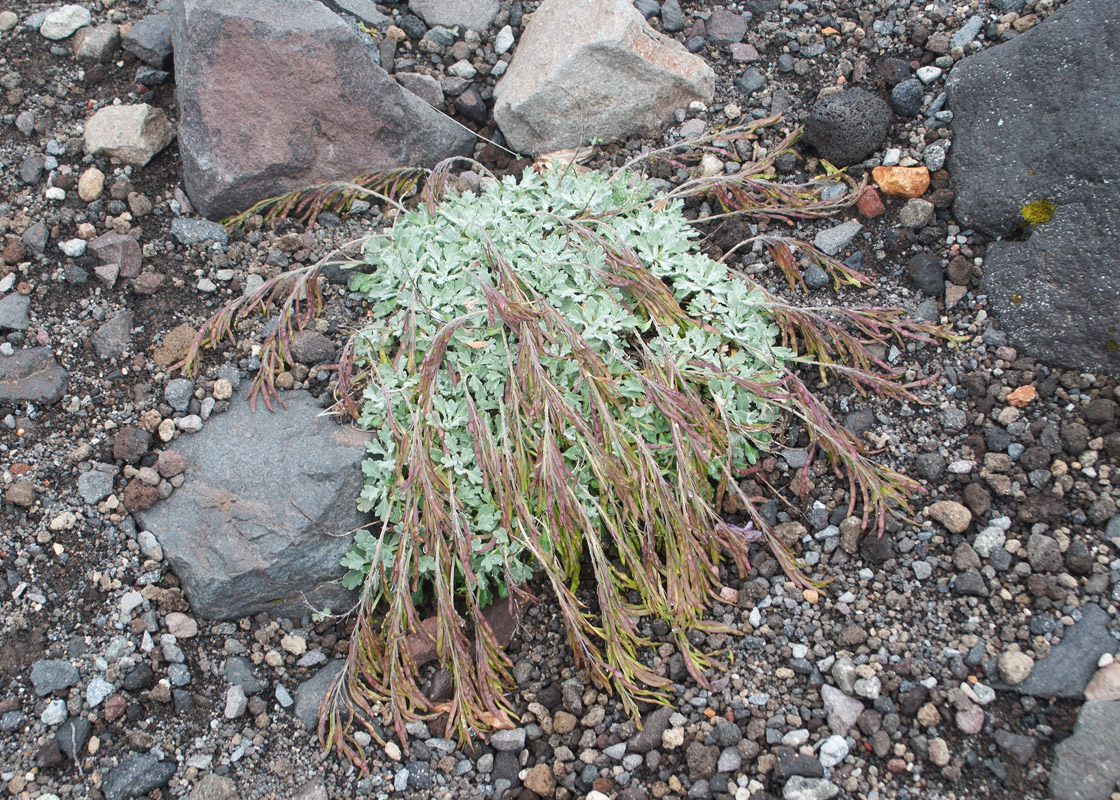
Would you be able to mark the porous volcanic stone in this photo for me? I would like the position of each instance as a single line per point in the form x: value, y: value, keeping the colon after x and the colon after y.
x: 593, y: 68
x: 1036, y: 119
x: 239, y: 68
x: 847, y: 127
x: 259, y: 522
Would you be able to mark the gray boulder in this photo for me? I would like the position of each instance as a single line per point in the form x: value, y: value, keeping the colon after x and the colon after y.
x: 847, y: 127
x: 593, y: 70
x: 475, y: 15
x: 261, y: 522
x: 239, y: 68
x: 1036, y: 119
x: 1087, y: 764
x: 32, y: 375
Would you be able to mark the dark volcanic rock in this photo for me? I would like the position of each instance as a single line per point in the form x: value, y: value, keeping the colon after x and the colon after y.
x: 136, y: 776
x: 846, y: 128
x: 258, y: 524
x: 1087, y: 764
x: 150, y: 40
x: 238, y: 67
x: 1069, y: 667
x: 1035, y: 119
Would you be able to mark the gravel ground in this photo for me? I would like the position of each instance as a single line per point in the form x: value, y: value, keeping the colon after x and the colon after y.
x: 892, y: 682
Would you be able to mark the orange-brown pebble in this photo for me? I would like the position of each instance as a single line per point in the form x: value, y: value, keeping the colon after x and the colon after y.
x: 908, y: 182
x: 1022, y: 397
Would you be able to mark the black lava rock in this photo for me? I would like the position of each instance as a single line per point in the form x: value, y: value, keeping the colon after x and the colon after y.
x: 471, y: 105
x: 846, y: 128
x: 906, y: 98
x: 926, y: 274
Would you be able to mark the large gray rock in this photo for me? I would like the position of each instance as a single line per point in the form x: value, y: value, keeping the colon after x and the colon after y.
x: 1087, y: 764
x: 278, y: 94
x: 587, y: 69
x: 32, y: 376
x: 1036, y: 119
x: 1068, y: 668
x: 260, y: 523
x: 476, y: 15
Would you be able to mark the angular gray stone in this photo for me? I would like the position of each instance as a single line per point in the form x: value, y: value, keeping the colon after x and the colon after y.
x: 178, y: 393
x: 1087, y: 764
x: 672, y: 18
x: 95, y: 485
x: 150, y: 40
x: 586, y: 70
x: 833, y: 240
x: 654, y: 725
x: 36, y: 236
x: 52, y: 675
x: 847, y: 127
x: 366, y: 11
x: 842, y: 710
x: 32, y: 375
x: 423, y: 86
x: 310, y: 694
x: 259, y: 523
x: 197, y: 231
x: 114, y: 335
x: 1035, y: 119
x: 726, y: 27
x: 64, y: 21
x: 475, y: 15
x: 1070, y: 665
x: 239, y: 672
x: 312, y: 347
x: 131, y: 133
x: 137, y: 775
x: 238, y: 67
x: 72, y: 736
x: 215, y: 787
x: 118, y: 249
x: 13, y: 312
x: 802, y: 788
x: 99, y: 44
